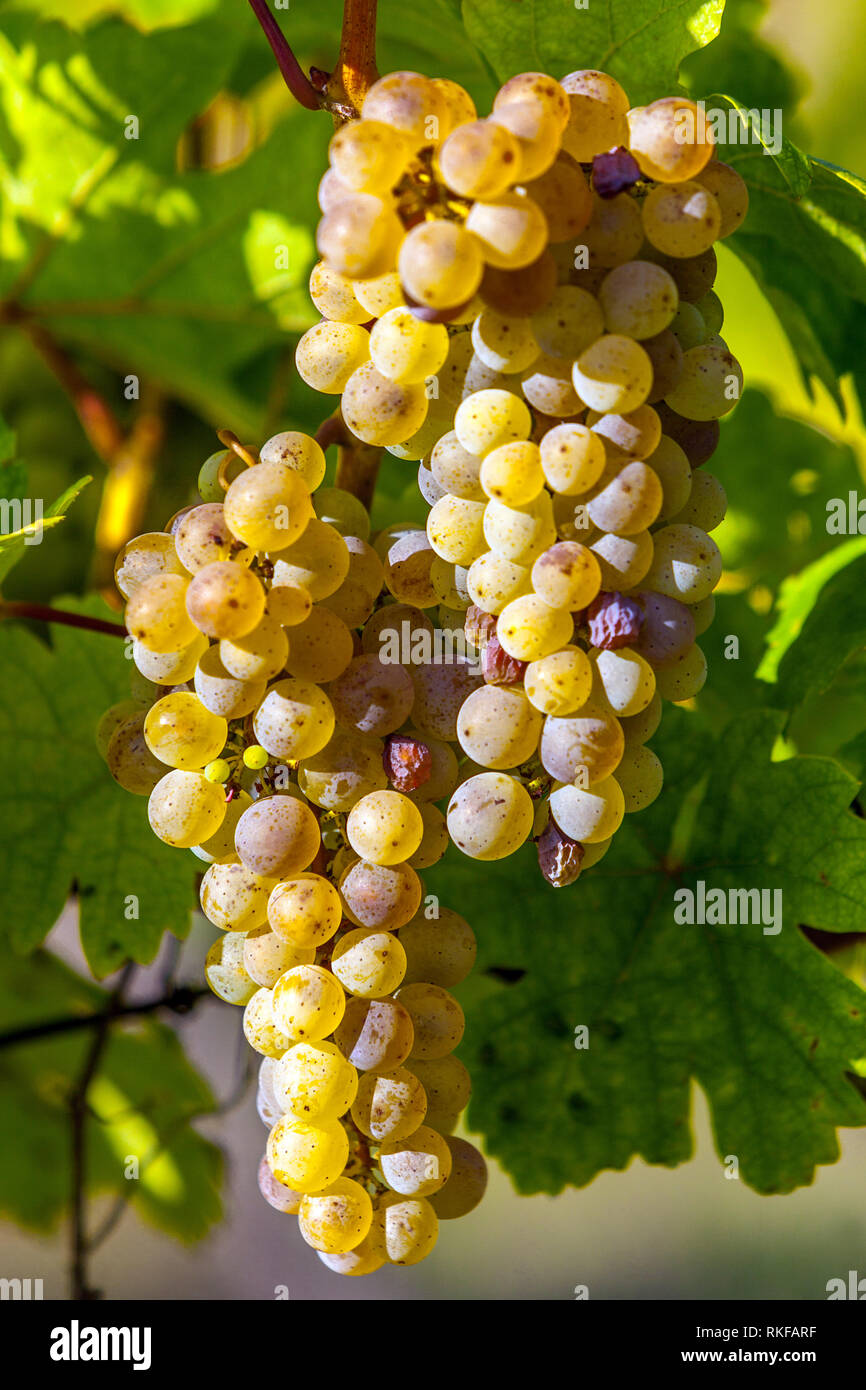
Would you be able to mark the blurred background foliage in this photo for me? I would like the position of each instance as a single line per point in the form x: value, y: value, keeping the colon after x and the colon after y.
x: 153, y: 258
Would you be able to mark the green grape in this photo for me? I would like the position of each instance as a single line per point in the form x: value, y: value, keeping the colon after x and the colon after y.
x: 321, y: 647
x: 304, y: 910
x: 614, y: 374
x: 466, y: 1185
x: 437, y: 1020
x: 371, y: 697
x: 410, y: 1228
x: 640, y: 777
x: 298, y: 451
x: 405, y: 101
x: 390, y: 1106
x: 703, y: 613
x: 129, y: 759
x: 369, y: 964
x: 685, y: 677
x: 232, y: 897
x: 512, y: 473
x: 440, y: 690
x: 434, y: 841
x: 384, y: 827
x: 639, y: 728
x: 710, y: 386
x: 480, y: 160
x: 328, y: 354
x: 565, y: 198
x: 334, y: 296
x: 671, y: 139
x: 307, y: 1157
x: 210, y: 489
x: 683, y: 220
x: 405, y: 349
x: 379, y: 411
x: 185, y: 808
x: 503, y: 343
x: 260, y: 1031
x: 712, y: 312
x: 417, y: 1165
x: 277, y: 837
x: 666, y: 355
x: 268, y: 956
x: 538, y: 89
x: 623, y: 560
x: 268, y: 506
x: 549, y: 388
x: 439, y: 951
x: 380, y: 896
x: 572, y: 459
x: 559, y: 683
x: 627, y: 679
x: 336, y: 1219
x: 447, y: 1086
x: 376, y: 1035
x: 358, y: 236
x: 181, y: 732
x: 638, y: 300
x: 730, y: 192
x: 537, y: 132
x: 694, y: 275
x: 520, y: 534
x: 489, y: 816
x: 408, y: 570
x: 674, y: 472
x: 454, y: 529
x: 686, y: 563
x: 591, y: 814
x: 348, y: 768
x: 379, y: 294
x: 497, y: 726
x: 706, y: 505
x: 614, y: 233
x: 313, y: 1082
x: 493, y: 581
x: 288, y: 604
x: 156, y: 613
x: 294, y: 720
x: 440, y: 264
x: 224, y: 970
x: 225, y: 600
x: 308, y: 1003
x: 203, y: 536
x: 143, y: 558
x: 343, y: 511
x: 170, y: 668
x: 570, y: 321
x: 112, y: 720
x: 510, y: 229
x: 368, y: 155
x: 222, y: 693
x: 629, y: 503
x: 598, y: 107
x: 456, y: 105
x: 633, y: 435
x: 260, y: 655
x: 584, y: 747
x: 529, y: 628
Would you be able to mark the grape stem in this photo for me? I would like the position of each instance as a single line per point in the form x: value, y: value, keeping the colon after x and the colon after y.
x: 294, y: 76
x: 179, y: 999
x: 356, y: 71
x: 42, y: 613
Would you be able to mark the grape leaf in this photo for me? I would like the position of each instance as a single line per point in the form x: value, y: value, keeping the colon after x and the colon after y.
x: 639, y: 42
x: 63, y: 819
x: 30, y: 525
x: 761, y: 1022
x: 144, y: 14
x: 822, y: 624
x: 141, y: 1101
x: 740, y: 60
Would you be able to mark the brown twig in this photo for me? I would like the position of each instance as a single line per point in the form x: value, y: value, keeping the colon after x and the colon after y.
x: 100, y: 424
x: 333, y: 431
x: 358, y: 469
x: 42, y: 613
x: 293, y: 74
x: 356, y: 71
x: 180, y: 1000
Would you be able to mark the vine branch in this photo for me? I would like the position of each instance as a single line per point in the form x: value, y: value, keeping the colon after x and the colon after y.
x: 294, y: 76
x: 180, y: 1000
x: 41, y: 612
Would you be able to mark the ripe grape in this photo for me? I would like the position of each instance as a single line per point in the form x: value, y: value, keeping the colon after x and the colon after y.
x: 307, y: 1157
x: 268, y: 956
x: 405, y: 101
x: 358, y: 236
x: 683, y: 220
x: 671, y: 139
x: 559, y: 683
x: 614, y: 374
x: 566, y: 576
x: 369, y: 964
x: 437, y: 1020
x: 466, y: 1185
x: 489, y: 816
x: 225, y: 972
x: 439, y: 951
x: 181, y: 732
x: 730, y: 192
x: 686, y: 563
x: 626, y: 678
x: 260, y: 1030
x: 683, y: 678
x: 587, y: 746
x: 156, y: 613
x: 520, y: 534
x: 504, y: 344
x: 225, y: 600
x: 277, y: 837
x: 572, y: 458
x: 629, y: 503
x: 529, y: 628
x: 614, y: 233
x: 624, y: 560
x: 512, y: 473
x: 185, y: 808
x: 706, y: 505
x: 328, y: 353
x: 304, y: 910
x: 145, y: 557
x: 294, y: 720
x: 493, y: 581
x: 232, y: 897
x: 598, y: 107
x: 480, y: 159
x: 308, y: 1003
x: 313, y: 1082
x: 640, y: 777
x: 455, y: 529
x: 321, y: 647
x: 380, y: 896
x: 417, y: 1165
x: 334, y: 297
x: 511, y: 230
x: 410, y: 1228
x: 711, y: 383
x: 368, y: 155
x: 536, y: 130
x: 337, y: 1218
x: 169, y: 668
x: 389, y: 1106
x: 222, y: 693
x: 548, y: 385
x: 376, y: 1035
x: 384, y: 827
x: 638, y: 299
x: 498, y: 727
x: 571, y: 320
x: 520, y: 292
x: 588, y: 815
x: 130, y: 760
x: 440, y: 264
x: 564, y: 197
x: 371, y: 696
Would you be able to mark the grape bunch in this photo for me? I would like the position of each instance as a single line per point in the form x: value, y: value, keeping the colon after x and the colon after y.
x: 264, y: 734
x: 524, y: 304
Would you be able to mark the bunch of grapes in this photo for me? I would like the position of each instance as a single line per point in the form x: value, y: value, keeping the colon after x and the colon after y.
x: 264, y: 735
x: 525, y: 304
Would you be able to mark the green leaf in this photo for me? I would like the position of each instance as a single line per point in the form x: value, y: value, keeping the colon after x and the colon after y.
x: 741, y: 61
x: 761, y: 1022
x: 146, y: 15
x: 63, y: 819
x: 140, y: 1105
x: 639, y: 42
x: 822, y: 623
x: 804, y: 241
x: 30, y: 526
